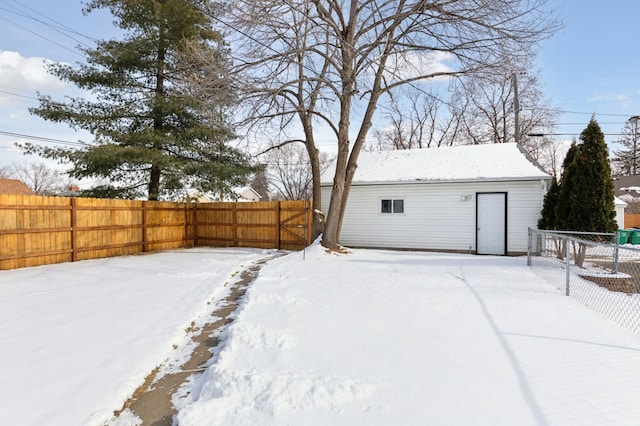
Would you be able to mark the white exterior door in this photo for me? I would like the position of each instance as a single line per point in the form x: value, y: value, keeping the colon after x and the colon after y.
x: 491, y: 223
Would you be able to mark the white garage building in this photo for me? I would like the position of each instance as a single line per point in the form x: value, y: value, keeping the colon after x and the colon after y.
x: 470, y: 198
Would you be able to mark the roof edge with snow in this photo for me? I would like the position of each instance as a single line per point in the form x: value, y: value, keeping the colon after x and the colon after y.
x: 459, y: 164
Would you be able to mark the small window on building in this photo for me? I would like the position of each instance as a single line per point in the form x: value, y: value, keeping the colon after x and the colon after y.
x: 392, y: 206
x: 398, y: 206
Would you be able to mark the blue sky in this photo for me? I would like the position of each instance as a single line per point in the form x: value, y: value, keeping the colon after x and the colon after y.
x: 591, y: 66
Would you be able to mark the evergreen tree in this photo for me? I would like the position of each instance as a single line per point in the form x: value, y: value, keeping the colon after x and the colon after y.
x: 586, y: 191
x: 153, y: 132
x: 564, y: 198
x: 548, y: 216
x: 260, y: 184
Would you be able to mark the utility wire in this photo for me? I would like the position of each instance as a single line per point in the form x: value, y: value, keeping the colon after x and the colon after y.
x: 42, y: 37
x: 61, y: 25
x: 59, y: 28
x: 17, y: 94
x: 42, y: 139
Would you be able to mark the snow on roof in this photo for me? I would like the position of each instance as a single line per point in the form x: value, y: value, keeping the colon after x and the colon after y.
x: 458, y: 163
x: 619, y: 202
x: 635, y: 189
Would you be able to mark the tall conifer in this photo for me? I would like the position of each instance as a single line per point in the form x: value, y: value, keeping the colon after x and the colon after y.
x: 153, y: 132
x: 548, y: 216
x: 586, y: 196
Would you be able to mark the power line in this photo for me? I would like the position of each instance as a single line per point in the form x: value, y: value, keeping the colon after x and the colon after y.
x: 18, y: 95
x: 59, y: 28
x: 61, y: 25
x: 593, y: 113
x: 583, y: 123
x: 42, y: 139
x: 42, y: 37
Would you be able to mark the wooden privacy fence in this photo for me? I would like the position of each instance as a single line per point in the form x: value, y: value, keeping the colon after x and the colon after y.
x: 43, y: 230
x: 631, y: 220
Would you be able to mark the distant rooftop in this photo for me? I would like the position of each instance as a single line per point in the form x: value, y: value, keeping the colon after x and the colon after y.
x: 15, y: 187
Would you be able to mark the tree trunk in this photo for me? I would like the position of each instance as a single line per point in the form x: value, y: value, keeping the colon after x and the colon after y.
x: 154, y: 183
x: 316, y: 190
x: 158, y: 123
x: 580, y: 254
x: 331, y: 234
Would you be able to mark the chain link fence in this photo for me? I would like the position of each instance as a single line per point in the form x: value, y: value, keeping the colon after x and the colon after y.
x: 600, y: 270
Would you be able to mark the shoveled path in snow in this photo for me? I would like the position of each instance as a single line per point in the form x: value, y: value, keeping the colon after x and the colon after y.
x: 78, y: 338
x: 152, y: 402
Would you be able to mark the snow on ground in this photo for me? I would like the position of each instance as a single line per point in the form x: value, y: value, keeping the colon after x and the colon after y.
x: 79, y: 338
x: 381, y: 338
x: 372, y: 337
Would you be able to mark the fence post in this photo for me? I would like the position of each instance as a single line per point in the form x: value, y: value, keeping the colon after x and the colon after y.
x: 529, y: 247
x: 144, y: 227
x: 616, y: 252
x: 234, y: 225
x: 567, y: 254
x: 74, y: 232
x: 194, y: 229
x: 278, y: 226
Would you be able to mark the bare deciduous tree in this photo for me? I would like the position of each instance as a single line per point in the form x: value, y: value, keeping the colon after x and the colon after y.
x: 331, y: 63
x: 490, y: 113
x: 42, y: 179
x: 626, y: 160
x: 289, y: 171
x: 416, y: 119
x: 5, y: 172
x: 480, y: 110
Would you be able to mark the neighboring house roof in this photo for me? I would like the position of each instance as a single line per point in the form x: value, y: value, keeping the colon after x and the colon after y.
x: 488, y: 162
x: 14, y: 186
x: 245, y: 193
x: 627, y: 185
x: 71, y: 191
x: 195, y: 196
x: 618, y: 202
x: 627, y: 188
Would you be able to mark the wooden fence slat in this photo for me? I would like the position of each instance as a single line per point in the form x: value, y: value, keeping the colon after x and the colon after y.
x: 32, y: 231
x: 631, y: 220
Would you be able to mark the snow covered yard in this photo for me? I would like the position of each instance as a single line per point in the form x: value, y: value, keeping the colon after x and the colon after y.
x: 79, y: 338
x: 381, y: 338
x: 372, y: 337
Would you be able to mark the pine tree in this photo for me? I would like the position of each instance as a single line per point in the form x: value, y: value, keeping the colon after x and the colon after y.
x: 548, y: 215
x: 564, y: 198
x: 586, y: 196
x: 153, y: 132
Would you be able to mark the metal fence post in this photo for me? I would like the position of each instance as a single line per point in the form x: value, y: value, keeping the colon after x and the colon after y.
x: 616, y: 252
x: 529, y: 248
x: 567, y: 254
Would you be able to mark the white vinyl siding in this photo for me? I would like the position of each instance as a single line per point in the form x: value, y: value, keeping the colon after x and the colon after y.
x: 437, y: 216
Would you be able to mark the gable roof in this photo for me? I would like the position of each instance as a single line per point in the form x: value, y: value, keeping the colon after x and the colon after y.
x: 14, y: 186
x: 488, y: 162
x: 248, y: 193
x: 627, y: 184
x: 618, y: 202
